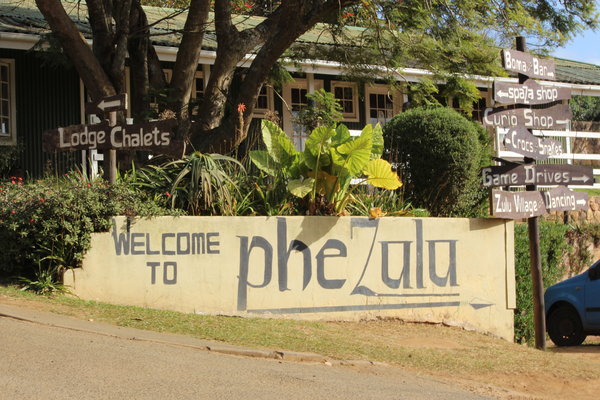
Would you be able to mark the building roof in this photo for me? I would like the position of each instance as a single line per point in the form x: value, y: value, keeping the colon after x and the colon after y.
x: 23, y: 17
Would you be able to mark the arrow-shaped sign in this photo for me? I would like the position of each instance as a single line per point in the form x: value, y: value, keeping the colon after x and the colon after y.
x: 555, y: 117
x: 528, y: 64
x: 537, y: 174
x: 530, y: 92
x: 520, y: 140
x: 107, y: 104
x: 517, y: 205
x: 563, y: 199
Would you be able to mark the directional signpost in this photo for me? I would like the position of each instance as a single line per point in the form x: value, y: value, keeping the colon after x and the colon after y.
x: 107, y: 104
x: 528, y: 93
x: 520, y: 140
x: 563, y: 199
x: 530, y: 204
x: 537, y: 174
x: 157, y: 136
x: 528, y: 65
x: 555, y: 117
x: 515, y: 205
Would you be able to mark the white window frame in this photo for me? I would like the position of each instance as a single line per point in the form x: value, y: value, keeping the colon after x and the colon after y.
x: 353, y: 116
x: 382, y: 89
x: 311, y: 85
x: 10, y: 139
x: 261, y: 112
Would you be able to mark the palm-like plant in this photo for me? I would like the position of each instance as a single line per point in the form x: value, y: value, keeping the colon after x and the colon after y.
x: 198, y: 183
x: 324, y: 171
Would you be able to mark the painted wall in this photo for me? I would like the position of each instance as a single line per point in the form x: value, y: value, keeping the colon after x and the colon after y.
x: 456, y: 271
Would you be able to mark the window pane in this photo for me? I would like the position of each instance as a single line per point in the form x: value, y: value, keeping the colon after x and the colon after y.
x: 4, y: 73
x: 4, y: 126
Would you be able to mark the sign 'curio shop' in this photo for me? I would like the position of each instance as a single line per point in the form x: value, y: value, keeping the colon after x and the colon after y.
x: 155, y: 136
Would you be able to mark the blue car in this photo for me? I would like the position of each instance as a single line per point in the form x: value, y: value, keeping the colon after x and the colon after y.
x: 573, y: 308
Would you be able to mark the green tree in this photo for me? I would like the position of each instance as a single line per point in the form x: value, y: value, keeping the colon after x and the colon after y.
x: 585, y: 108
x: 445, y: 36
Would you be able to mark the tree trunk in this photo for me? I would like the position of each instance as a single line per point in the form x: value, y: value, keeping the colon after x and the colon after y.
x: 188, y: 56
x: 94, y: 78
x: 221, y: 131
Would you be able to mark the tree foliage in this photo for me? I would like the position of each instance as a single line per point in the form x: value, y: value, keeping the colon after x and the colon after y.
x: 444, y: 36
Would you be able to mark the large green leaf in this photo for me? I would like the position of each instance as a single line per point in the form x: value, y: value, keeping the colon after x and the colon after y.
x: 301, y: 187
x: 356, y: 153
x: 283, y: 151
x: 310, y: 160
x: 278, y: 144
x: 342, y: 134
x: 264, y: 162
x: 320, y: 139
x: 379, y: 174
x: 378, y: 143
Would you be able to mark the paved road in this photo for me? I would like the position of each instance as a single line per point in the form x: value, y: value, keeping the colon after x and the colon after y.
x: 39, y: 361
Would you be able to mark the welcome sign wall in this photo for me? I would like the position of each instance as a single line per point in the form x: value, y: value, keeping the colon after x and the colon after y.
x: 309, y: 267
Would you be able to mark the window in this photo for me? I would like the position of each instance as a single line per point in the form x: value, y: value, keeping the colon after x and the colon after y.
x: 346, y: 94
x: 8, y: 134
x: 380, y: 104
x: 264, y: 102
x: 294, y: 96
x: 197, y: 92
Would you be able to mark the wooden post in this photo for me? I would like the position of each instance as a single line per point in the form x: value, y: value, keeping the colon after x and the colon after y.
x: 112, y: 154
x: 534, y: 251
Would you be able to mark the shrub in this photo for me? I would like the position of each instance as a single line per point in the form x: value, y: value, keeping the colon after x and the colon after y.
x: 200, y: 184
x: 553, y: 246
x: 439, y: 154
x: 46, y: 225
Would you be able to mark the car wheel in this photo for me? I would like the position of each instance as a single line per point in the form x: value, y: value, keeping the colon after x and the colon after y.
x: 565, y: 328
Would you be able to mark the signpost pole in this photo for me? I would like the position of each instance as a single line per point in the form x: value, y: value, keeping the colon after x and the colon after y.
x: 112, y: 154
x: 534, y: 251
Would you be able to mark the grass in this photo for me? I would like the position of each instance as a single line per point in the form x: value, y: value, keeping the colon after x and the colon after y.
x: 437, y: 350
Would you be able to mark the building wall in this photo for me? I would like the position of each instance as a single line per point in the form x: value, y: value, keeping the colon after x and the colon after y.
x: 456, y: 271
x: 46, y: 97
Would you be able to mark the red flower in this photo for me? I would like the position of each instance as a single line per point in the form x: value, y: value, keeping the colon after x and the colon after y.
x: 167, y: 194
x: 241, y: 107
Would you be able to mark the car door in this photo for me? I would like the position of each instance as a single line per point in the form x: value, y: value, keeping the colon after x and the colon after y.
x: 592, y: 297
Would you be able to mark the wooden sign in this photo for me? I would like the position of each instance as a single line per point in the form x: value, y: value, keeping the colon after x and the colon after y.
x: 155, y: 136
x: 107, y: 104
x: 517, y: 205
x: 520, y: 140
x: 527, y: 93
x: 529, y: 65
x: 555, y: 117
x: 562, y: 199
x: 537, y: 174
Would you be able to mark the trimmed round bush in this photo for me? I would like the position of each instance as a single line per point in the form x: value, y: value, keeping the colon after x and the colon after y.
x: 439, y: 153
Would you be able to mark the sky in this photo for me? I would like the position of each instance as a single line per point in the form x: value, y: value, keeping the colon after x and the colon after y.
x: 585, y: 47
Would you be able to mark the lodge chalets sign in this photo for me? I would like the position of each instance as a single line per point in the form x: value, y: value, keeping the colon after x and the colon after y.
x: 518, y: 122
x: 158, y: 136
